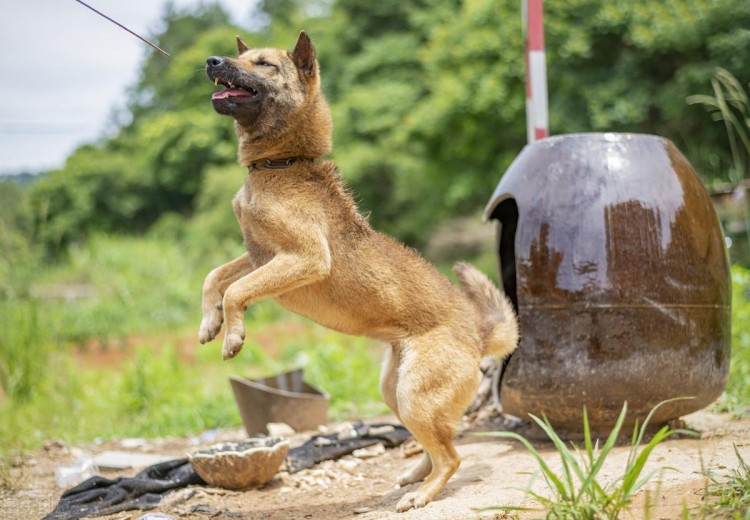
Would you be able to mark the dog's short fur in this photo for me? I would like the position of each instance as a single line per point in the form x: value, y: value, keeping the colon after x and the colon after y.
x: 310, y: 249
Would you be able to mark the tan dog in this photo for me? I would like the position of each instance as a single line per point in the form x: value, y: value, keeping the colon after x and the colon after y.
x: 310, y: 249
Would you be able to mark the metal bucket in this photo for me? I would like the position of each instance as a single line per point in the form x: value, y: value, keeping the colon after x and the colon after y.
x: 283, y: 398
x: 612, y: 253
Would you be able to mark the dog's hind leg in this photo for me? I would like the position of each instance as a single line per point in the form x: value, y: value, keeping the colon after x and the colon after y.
x: 435, y: 386
x: 389, y: 377
x: 388, y: 385
x: 214, y: 287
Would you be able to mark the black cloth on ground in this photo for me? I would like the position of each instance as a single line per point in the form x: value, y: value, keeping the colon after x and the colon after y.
x: 99, y: 496
x: 314, y: 451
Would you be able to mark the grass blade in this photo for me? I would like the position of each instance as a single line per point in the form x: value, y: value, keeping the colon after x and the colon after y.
x: 546, y: 471
x: 591, y: 500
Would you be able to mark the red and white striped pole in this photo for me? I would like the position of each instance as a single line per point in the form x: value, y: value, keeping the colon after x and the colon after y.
x: 537, y: 121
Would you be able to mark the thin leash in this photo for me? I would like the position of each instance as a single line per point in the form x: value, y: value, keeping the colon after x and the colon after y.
x: 165, y: 53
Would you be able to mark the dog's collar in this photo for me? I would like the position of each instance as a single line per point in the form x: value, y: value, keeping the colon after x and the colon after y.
x: 276, y: 164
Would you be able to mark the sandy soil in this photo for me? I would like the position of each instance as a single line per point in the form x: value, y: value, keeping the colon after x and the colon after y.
x: 490, y: 475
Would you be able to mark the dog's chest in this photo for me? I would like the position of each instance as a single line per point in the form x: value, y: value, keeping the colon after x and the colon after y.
x: 254, y: 210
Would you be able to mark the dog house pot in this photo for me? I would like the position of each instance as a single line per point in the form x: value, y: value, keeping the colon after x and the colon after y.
x: 613, y: 256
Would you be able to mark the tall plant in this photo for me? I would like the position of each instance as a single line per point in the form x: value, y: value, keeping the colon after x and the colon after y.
x: 577, y: 493
x: 730, y: 104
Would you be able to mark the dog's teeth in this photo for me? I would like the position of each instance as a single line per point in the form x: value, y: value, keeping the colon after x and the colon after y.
x: 216, y: 82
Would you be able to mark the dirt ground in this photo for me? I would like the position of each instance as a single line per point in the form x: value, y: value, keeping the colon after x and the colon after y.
x: 491, y: 474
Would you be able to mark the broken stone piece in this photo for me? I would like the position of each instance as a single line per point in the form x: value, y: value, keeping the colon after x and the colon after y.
x: 279, y: 429
x: 370, y: 451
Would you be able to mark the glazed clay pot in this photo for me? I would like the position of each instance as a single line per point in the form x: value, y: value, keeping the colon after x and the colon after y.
x: 613, y: 255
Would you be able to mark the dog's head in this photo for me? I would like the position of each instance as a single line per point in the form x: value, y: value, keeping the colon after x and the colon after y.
x: 267, y: 90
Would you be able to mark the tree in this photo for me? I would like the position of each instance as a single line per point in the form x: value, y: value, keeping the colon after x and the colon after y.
x: 427, y: 98
x: 156, y: 162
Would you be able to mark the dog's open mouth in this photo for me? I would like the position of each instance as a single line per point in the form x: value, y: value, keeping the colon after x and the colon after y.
x: 232, y: 90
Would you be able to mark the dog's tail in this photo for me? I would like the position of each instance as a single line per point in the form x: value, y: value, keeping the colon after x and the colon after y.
x: 499, y: 325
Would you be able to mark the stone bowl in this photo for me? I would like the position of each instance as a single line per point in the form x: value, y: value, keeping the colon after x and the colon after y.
x: 240, y: 465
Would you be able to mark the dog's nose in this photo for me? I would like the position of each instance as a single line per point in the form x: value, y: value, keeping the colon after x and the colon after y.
x: 214, y: 61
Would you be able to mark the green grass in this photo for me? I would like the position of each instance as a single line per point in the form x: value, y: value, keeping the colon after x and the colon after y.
x: 25, y: 347
x: 725, y: 496
x: 729, y: 497
x: 154, y: 394
x: 137, y: 284
x: 736, y: 397
x: 575, y: 493
x: 144, y: 288
x: 158, y: 392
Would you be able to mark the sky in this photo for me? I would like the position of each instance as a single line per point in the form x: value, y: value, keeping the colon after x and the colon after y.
x: 66, y: 69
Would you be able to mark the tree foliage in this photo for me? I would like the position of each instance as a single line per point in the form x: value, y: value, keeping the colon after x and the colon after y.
x: 427, y: 99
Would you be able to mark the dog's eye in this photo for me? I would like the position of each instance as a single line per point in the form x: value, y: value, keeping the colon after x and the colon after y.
x: 263, y: 63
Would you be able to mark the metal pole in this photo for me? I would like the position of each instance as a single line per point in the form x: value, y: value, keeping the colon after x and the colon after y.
x: 537, y: 120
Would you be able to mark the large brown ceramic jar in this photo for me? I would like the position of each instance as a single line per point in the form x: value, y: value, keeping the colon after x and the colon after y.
x: 613, y: 255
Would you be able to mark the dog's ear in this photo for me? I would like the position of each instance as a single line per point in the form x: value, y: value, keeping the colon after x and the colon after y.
x: 241, y: 45
x: 303, y: 54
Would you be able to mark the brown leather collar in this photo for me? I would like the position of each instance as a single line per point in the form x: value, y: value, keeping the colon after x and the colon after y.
x: 276, y: 164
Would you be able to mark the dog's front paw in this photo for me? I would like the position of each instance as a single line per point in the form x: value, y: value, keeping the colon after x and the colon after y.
x: 232, y: 344
x: 210, y: 326
x: 411, y: 500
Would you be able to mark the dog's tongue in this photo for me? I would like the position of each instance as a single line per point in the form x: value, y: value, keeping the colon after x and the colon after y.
x: 230, y: 92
